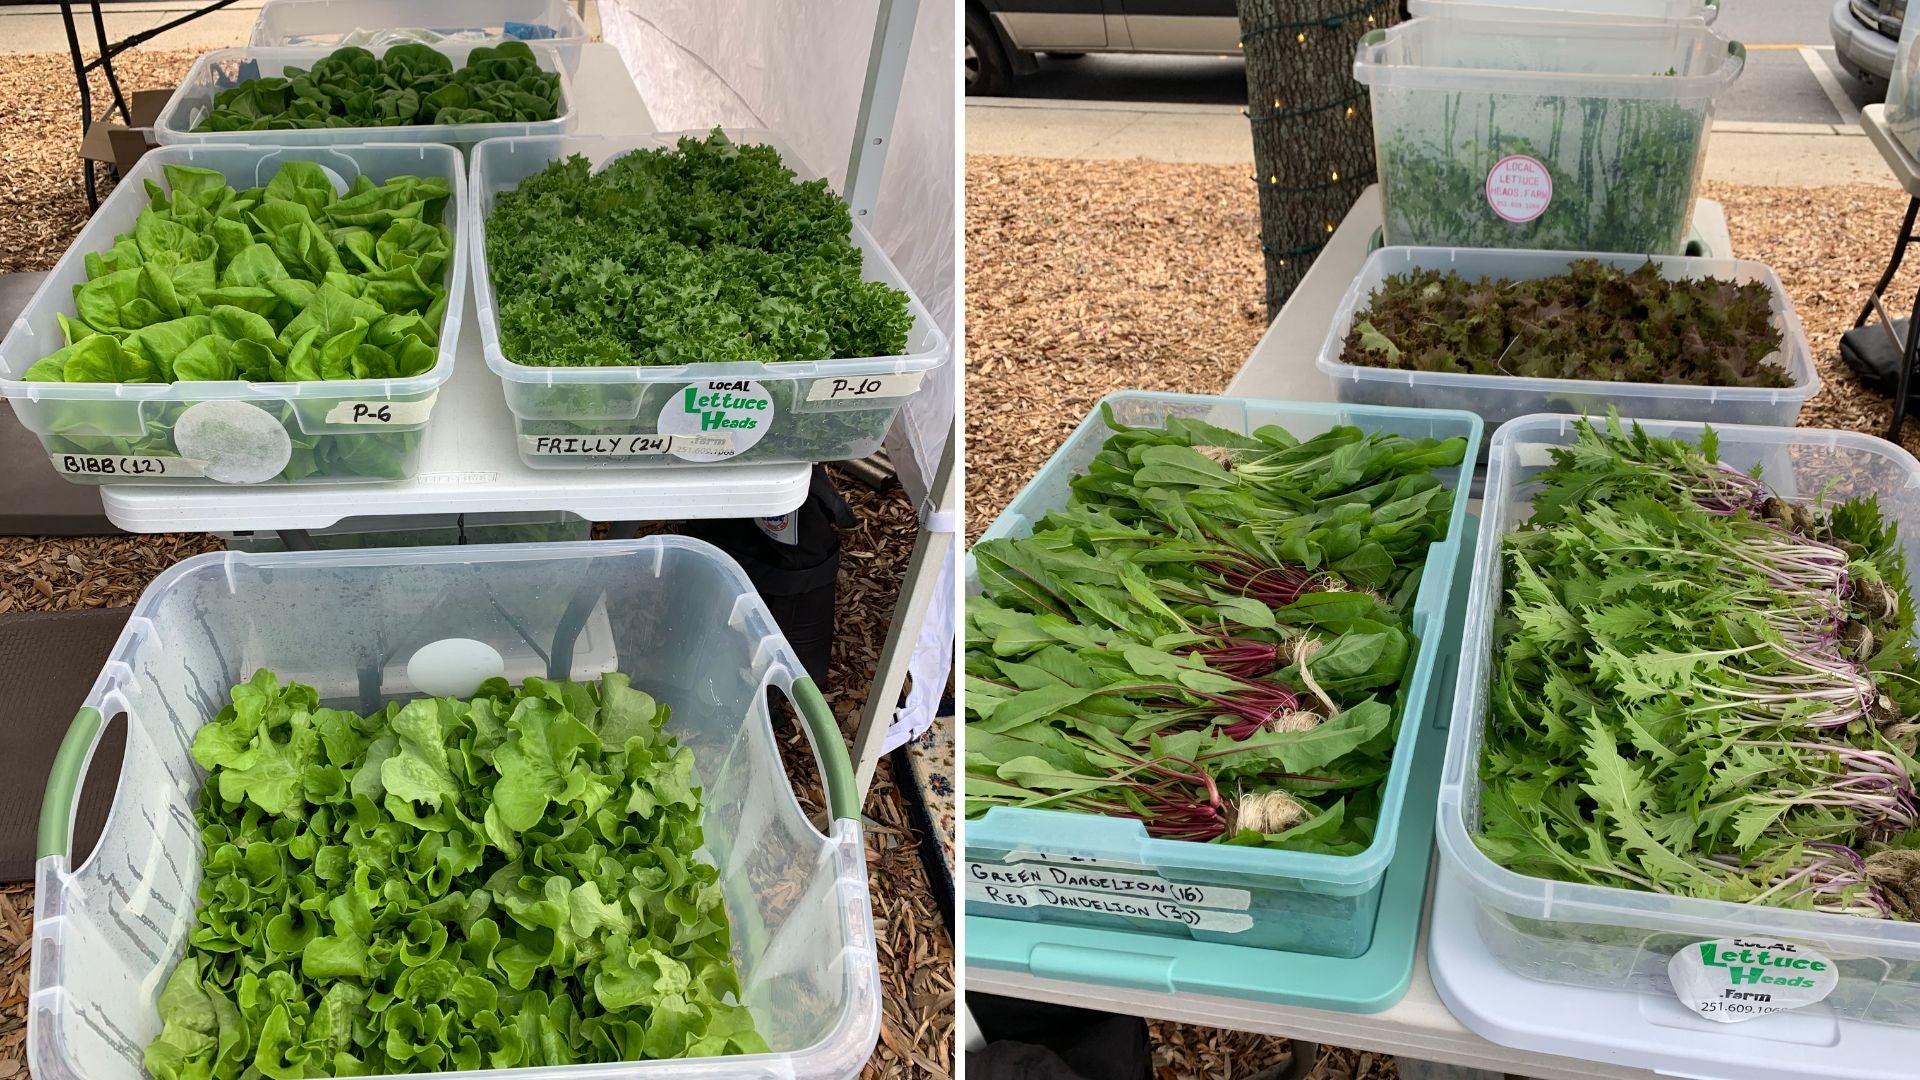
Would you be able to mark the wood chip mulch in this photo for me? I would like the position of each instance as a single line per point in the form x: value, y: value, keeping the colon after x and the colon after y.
x: 41, y: 209
x: 42, y: 202
x: 1085, y: 277
x: 1829, y: 246
x: 65, y: 573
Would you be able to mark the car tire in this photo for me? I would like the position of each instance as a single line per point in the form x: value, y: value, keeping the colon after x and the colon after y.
x: 987, y: 70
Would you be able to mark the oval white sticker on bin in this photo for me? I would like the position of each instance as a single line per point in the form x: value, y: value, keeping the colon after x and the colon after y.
x: 240, y: 442
x: 716, y: 419
x: 1519, y: 188
x: 1737, y: 979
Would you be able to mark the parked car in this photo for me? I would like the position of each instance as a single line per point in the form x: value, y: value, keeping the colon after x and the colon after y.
x: 1865, y: 36
x: 1006, y: 37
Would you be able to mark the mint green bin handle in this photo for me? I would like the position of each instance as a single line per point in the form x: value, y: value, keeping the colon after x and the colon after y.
x: 63, y: 784
x: 836, y: 770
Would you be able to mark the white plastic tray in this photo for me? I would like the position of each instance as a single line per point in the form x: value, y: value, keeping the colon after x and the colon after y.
x: 329, y: 22
x: 92, y: 420
x: 815, y: 409
x: 1619, y: 939
x: 221, y: 69
x: 1499, y: 398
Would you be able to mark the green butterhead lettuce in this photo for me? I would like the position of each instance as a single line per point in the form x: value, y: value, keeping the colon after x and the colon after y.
x: 292, y: 282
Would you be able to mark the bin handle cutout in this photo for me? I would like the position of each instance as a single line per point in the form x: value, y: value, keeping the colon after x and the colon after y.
x: 829, y: 748
x: 63, y: 784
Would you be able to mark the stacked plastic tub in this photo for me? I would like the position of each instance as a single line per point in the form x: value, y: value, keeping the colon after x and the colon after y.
x: 674, y: 614
x: 629, y: 416
x: 1207, y: 917
x: 1515, y: 137
x: 1506, y: 126
x: 239, y: 432
x: 1580, y: 131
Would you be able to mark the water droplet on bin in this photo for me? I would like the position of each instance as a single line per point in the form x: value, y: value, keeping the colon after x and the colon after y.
x: 240, y: 442
x: 453, y: 667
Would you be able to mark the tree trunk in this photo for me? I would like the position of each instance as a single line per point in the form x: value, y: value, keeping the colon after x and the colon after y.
x: 1312, y: 125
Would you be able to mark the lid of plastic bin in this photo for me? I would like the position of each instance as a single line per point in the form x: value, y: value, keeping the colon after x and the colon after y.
x: 1643, y: 1030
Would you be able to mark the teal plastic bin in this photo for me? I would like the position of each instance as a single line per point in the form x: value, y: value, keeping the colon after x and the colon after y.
x: 1107, y: 872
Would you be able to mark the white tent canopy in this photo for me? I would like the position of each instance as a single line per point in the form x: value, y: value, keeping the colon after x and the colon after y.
x: 800, y: 68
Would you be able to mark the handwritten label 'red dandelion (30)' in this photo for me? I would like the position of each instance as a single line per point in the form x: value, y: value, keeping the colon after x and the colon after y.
x: 1519, y: 188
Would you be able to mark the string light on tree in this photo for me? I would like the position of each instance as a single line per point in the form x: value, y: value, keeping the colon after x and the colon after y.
x: 1313, y: 147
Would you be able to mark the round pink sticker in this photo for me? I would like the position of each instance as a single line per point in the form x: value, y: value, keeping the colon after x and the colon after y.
x: 1519, y: 188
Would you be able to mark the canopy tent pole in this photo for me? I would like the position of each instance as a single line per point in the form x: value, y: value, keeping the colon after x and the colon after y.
x: 933, y: 543
x: 932, y: 548
x: 879, y: 101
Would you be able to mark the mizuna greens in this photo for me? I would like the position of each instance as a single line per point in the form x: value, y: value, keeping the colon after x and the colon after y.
x: 448, y: 884
x: 291, y: 282
x: 707, y: 252
x: 1211, y: 637
x: 408, y: 85
x: 1700, y: 688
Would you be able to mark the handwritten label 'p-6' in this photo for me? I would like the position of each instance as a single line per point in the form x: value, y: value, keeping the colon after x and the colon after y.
x: 381, y: 413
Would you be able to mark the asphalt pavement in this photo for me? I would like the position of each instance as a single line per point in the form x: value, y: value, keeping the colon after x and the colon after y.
x: 1791, y: 75
x: 1791, y: 118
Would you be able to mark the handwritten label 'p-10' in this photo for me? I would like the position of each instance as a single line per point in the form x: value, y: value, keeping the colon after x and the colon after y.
x: 857, y: 387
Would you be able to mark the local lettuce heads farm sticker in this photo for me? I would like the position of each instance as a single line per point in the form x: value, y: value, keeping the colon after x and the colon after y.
x: 728, y: 416
x: 1519, y: 188
x: 1737, y: 979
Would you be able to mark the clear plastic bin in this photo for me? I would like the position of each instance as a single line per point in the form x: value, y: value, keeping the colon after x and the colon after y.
x: 332, y: 22
x: 612, y: 417
x: 1618, y: 939
x: 674, y: 613
x: 1543, y: 133
x: 1499, y: 398
x: 354, y: 430
x: 222, y: 69
x: 1903, y: 88
x: 1665, y: 10
x: 1295, y: 901
x: 426, y: 530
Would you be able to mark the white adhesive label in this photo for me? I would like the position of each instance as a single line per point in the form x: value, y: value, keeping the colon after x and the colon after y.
x: 733, y: 414
x: 1096, y: 878
x: 1134, y: 907
x: 623, y: 445
x: 381, y: 413
x: 1519, y: 188
x: 1732, y: 980
x: 130, y: 467
x: 855, y: 387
